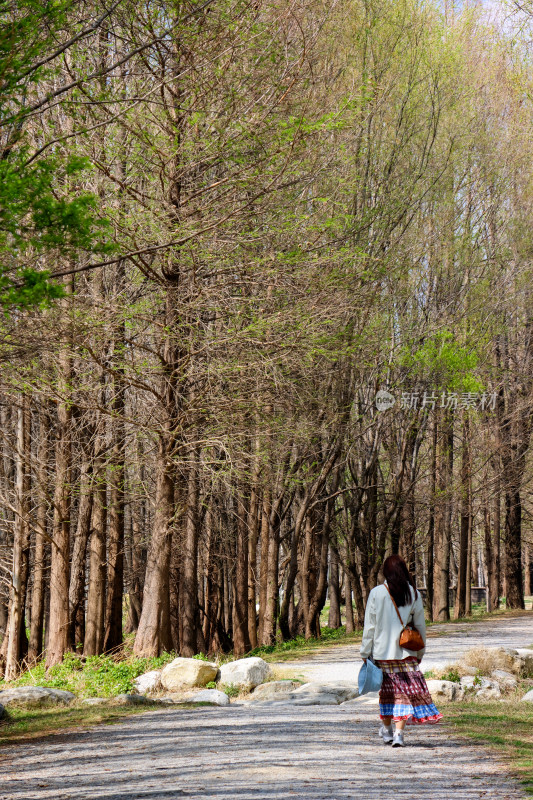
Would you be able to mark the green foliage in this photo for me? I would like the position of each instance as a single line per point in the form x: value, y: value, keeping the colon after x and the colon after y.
x: 94, y: 676
x: 42, y: 209
x: 201, y: 657
x: 231, y: 690
x: 444, y: 362
x: 211, y: 685
x: 451, y: 675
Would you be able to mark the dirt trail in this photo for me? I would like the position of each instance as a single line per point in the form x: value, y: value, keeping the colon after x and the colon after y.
x: 241, y: 753
x: 247, y: 753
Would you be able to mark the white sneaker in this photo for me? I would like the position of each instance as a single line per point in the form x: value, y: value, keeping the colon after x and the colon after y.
x: 386, y: 734
x: 397, y: 740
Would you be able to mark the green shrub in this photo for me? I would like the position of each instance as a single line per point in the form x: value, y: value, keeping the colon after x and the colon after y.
x: 93, y: 676
x: 452, y: 675
x: 211, y: 685
x: 231, y: 690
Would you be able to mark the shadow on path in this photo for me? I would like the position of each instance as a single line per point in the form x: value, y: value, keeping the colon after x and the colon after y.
x: 307, y: 753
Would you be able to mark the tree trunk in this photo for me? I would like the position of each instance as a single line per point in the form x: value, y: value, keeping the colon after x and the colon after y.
x: 513, y: 548
x: 334, y: 616
x: 94, y: 626
x: 115, y: 549
x: 241, y: 640
x: 16, y: 633
x: 253, y: 535
x: 350, y: 622
x: 265, y: 507
x: 149, y: 638
x: 41, y: 530
x: 272, y: 591
x: 441, y: 610
x: 430, y: 552
x: 463, y: 573
x: 79, y: 558
x: 528, y: 569
x: 59, y: 569
x: 189, y: 588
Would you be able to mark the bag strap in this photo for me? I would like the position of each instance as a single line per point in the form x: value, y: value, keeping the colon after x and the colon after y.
x: 396, y: 607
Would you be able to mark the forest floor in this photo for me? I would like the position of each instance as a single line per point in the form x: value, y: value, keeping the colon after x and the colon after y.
x: 247, y: 753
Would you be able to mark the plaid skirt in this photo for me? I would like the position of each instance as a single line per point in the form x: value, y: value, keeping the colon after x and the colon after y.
x: 404, y: 694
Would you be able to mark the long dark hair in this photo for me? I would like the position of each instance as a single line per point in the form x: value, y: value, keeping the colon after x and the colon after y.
x: 398, y: 580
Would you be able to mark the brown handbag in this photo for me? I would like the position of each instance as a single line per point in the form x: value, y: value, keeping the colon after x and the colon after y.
x: 410, y: 638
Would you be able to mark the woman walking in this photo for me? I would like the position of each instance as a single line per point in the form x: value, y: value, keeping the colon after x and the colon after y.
x: 404, y: 697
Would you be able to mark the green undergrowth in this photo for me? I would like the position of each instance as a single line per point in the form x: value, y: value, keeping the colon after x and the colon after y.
x: 93, y: 676
x: 507, y: 727
x: 299, y: 647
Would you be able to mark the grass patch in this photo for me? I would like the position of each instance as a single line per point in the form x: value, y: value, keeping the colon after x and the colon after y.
x: 299, y: 647
x: 507, y: 727
x: 94, y: 676
x: 24, y: 724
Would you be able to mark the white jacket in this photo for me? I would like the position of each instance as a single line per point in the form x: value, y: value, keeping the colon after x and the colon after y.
x: 382, y: 626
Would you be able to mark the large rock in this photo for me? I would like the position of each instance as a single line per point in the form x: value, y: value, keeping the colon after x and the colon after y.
x: 341, y: 690
x: 95, y: 701
x: 368, y: 700
x: 526, y: 658
x: 316, y: 699
x: 245, y: 673
x: 129, y: 700
x: 148, y: 682
x: 489, y: 693
x: 273, y: 690
x: 446, y: 690
x: 476, y: 682
x: 505, y: 679
x: 528, y: 698
x: 35, y: 697
x: 187, y: 672
x: 212, y: 696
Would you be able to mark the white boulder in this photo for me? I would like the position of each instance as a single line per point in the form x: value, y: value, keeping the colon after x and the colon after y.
x: 316, y: 699
x: 273, y: 690
x: 526, y: 658
x: 187, y: 672
x: 489, y: 693
x: 212, y: 696
x: 528, y: 698
x: 476, y: 682
x: 446, y: 690
x: 341, y: 691
x: 35, y: 697
x: 148, y: 682
x: 129, y: 700
x: 505, y: 679
x: 245, y: 673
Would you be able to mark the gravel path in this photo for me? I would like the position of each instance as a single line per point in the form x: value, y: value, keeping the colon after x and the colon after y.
x: 241, y: 753
x: 280, y: 753
x: 446, y: 644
